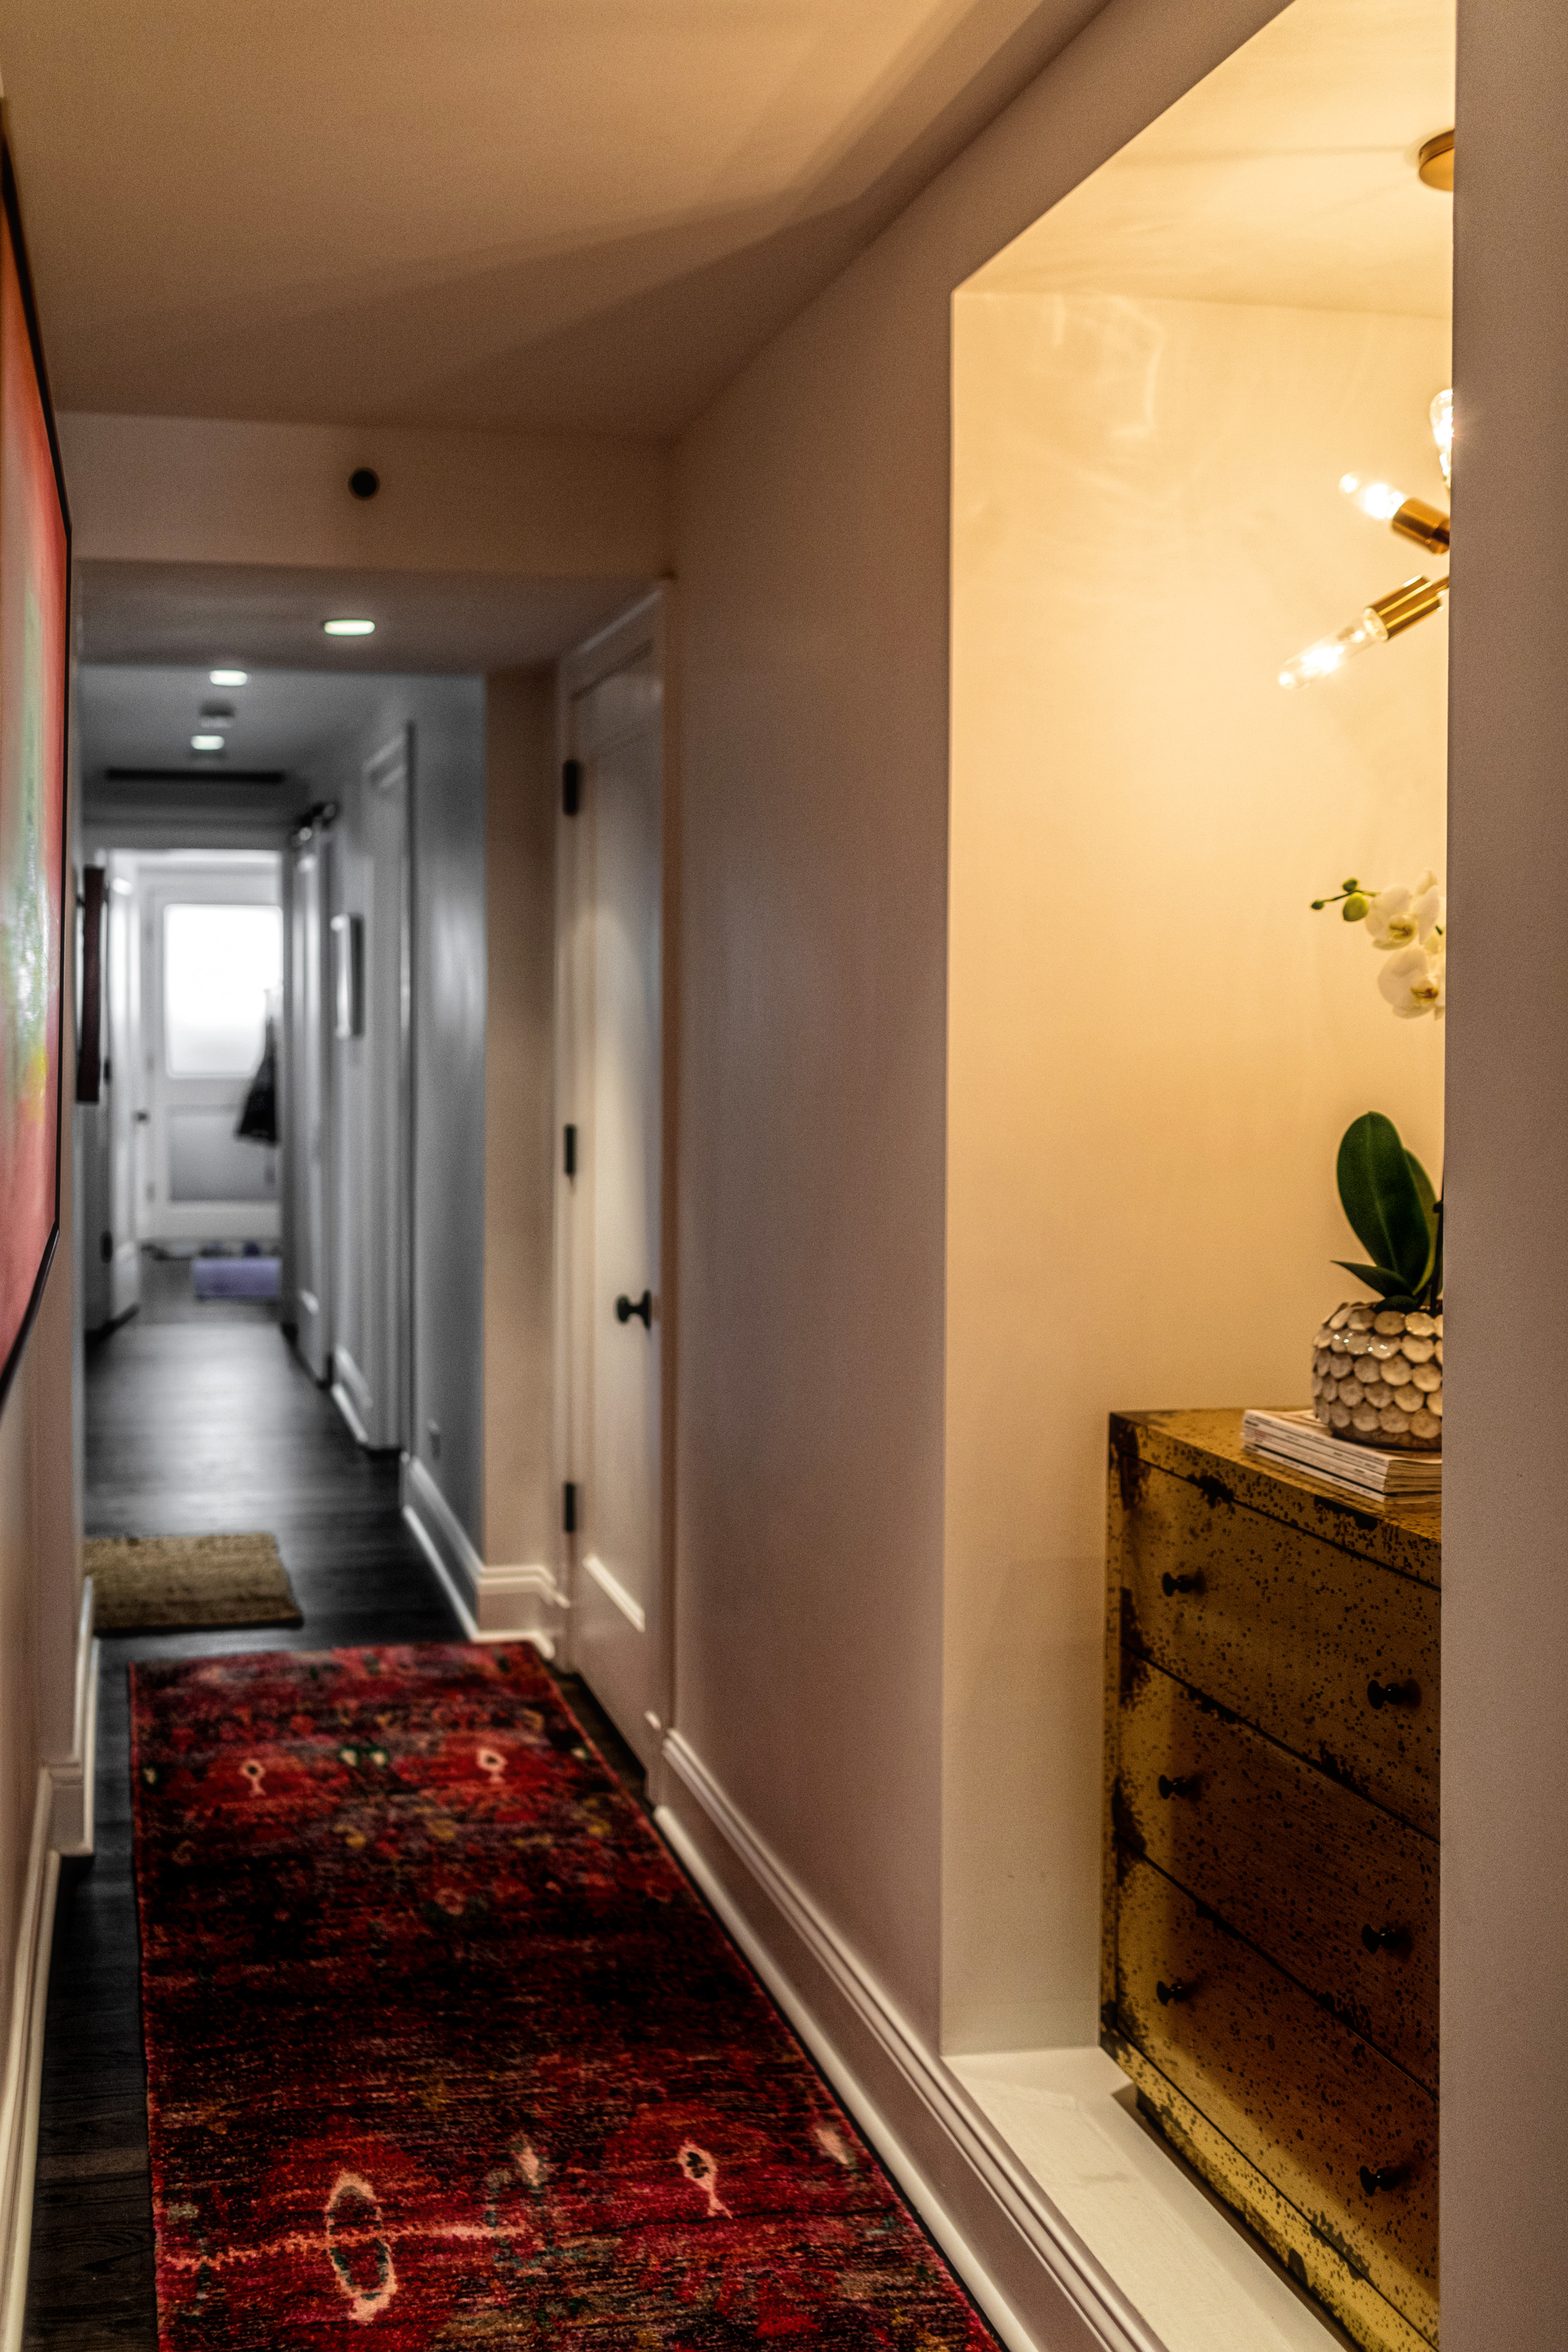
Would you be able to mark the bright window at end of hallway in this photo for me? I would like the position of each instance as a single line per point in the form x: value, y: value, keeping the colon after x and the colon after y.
x: 223, y: 970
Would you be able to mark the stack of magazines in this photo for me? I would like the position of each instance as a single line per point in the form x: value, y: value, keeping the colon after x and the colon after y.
x: 1299, y: 1438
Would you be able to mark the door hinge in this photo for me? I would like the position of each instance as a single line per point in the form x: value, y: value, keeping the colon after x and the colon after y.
x: 571, y: 786
x: 569, y: 1150
x: 569, y: 1508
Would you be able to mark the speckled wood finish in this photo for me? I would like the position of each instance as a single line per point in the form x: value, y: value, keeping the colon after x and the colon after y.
x: 1270, y: 1969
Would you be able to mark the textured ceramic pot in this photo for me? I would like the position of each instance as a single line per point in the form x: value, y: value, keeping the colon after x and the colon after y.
x: 1377, y: 1377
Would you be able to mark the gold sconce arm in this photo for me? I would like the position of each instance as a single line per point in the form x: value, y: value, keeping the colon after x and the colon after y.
x: 1400, y: 610
x: 1427, y: 526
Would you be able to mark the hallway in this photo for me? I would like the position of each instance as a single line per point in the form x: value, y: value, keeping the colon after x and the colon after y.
x: 197, y: 1421
x: 717, y: 593
x: 198, y: 1418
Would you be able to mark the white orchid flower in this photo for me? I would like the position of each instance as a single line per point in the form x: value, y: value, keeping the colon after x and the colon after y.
x: 1428, y: 906
x: 1403, y: 918
x: 1415, y: 982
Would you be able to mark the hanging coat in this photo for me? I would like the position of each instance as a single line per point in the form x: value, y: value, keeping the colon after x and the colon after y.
x: 258, y: 1120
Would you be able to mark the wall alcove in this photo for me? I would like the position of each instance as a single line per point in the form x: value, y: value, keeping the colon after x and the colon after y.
x: 1153, y: 1044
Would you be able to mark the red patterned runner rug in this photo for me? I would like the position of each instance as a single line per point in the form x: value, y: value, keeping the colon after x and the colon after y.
x: 443, y: 2053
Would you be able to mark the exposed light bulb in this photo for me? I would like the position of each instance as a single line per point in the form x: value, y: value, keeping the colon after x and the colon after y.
x: 1381, y: 500
x: 207, y: 742
x: 1331, y: 654
x: 229, y: 677
x: 1443, y: 431
x: 349, y: 628
x: 1390, y: 616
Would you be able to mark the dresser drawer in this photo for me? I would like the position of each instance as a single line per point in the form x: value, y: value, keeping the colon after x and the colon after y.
x: 1289, y: 1631
x: 1303, y: 1868
x: 1308, y: 2103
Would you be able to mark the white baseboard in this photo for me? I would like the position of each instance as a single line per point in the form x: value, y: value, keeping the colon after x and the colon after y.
x: 493, y: 1604
x: 24, y: 2066
x: 62, y: 1824
x: 72, y: 1778
x: 614, y: 1591
x: 1030, y: 2273
x: 345, y: 1405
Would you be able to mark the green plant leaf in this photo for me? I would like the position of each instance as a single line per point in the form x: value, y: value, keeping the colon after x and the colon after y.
x: 1433, y: 1299
x: 1425, y: 1189
x: 1379, y: 1278
x: 1428, y: 1199
x: 1380, y: 1198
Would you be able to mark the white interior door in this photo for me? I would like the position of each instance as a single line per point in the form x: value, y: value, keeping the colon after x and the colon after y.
x: 613, y: 854
x: 371, y: 967
x: 309, y: 1065
x: 212, y: 957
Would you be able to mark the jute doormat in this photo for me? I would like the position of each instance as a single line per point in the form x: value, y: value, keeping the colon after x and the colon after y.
x: 144, y: 1584
x: 442, y: 2049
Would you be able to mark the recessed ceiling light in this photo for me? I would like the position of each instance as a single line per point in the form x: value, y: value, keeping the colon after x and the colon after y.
x: 207, y: 742
x: 349, y: 628
x: 229, y: 677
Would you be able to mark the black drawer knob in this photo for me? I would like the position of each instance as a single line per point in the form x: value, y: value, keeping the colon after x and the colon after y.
x: 1392, y: 1694
x: 1166, y: 1994
x: 627, y: 1307
x: 1186, y: 1784
x: 1386, y: 1939
x: 1170, y: 1585
x: 1387, y: 2176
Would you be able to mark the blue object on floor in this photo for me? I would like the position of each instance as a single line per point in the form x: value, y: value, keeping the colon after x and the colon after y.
x: 235, y: 1277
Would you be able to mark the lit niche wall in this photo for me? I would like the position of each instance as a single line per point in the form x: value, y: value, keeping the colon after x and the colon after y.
x: 1154, y: 1045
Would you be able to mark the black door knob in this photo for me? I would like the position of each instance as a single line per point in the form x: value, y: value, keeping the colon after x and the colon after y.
x: 627, y: 1307
x: 1392, y: 1694
x: 1169, y: 1585
x: 1387, y: 2176
x: 1166, y: 1993
x: 1385, y: 1939
x: 1186, y: 1784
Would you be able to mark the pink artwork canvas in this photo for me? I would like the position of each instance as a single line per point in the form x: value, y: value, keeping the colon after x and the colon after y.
x: 35, y: 566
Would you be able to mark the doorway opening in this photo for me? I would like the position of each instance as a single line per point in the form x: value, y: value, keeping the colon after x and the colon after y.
x: 181, y: 1170
x: 255, y: 1115
x: 407, y: 830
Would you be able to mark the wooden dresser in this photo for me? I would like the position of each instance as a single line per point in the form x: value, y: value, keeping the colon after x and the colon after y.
x: 1269, y: 1977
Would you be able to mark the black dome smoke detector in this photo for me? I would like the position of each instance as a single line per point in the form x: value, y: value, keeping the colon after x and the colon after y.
x: 365, y: 482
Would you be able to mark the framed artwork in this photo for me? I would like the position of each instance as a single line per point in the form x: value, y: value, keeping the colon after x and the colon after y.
x: 34, y: 593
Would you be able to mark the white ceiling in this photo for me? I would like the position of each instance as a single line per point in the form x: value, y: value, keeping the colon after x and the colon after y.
x: 144, y: 717
x: 499, y: 213
x: 1289, y: 175
x: 269, y: 617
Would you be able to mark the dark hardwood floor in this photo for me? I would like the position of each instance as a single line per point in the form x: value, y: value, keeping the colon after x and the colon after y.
x: 198, y: 1419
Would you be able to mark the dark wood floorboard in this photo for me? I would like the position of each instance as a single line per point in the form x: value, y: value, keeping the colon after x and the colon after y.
x: 197, y: 1421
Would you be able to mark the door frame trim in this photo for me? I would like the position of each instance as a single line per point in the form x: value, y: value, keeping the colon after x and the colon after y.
x: 314, y: 840
x: 389, y: 775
